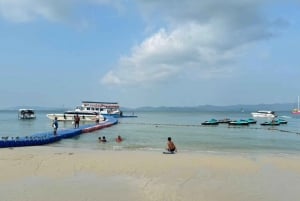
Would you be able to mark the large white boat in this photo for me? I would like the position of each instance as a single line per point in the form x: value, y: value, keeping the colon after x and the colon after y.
x: 26, y: 114
x: 264, y: 114
x: 89, y: 111
x: 103, y: 108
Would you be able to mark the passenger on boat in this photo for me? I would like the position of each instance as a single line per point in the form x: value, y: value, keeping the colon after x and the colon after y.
x: 170, y: 145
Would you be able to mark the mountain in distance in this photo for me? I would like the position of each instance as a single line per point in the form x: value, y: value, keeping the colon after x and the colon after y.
x: 203, y: 108
x: 210, y: 108
x: 41, y: 108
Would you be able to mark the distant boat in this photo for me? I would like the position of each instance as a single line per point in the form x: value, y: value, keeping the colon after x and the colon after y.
x: 251, y: 121
x: 296, y: 110
x: 223, y: 121
x: 271, y: 123
x: 240, y: 122
x: 26, y: 114
x: 210, y: 122
x: 281, y: 121
x: 264, y: 114
x: 90, y: 111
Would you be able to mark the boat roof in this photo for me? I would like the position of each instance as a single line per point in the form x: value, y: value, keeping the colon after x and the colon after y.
x: 26, y: 110
x: 265, y: 111
x: 99, y: 102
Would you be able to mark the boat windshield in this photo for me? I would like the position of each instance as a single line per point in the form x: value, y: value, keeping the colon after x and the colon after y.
x: 79, y: 108
x: 26, y: 111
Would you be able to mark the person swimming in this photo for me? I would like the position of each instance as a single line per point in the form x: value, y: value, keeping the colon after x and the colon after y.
x: 103, y: 139
x: 119, y: 139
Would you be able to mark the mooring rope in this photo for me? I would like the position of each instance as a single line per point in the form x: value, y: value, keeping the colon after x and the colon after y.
x: 199, y: 125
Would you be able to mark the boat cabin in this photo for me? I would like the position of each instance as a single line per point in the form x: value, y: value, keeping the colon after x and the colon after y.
x: 101, y: 107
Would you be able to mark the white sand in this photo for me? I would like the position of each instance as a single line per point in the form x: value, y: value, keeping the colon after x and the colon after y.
x: 48, y: 174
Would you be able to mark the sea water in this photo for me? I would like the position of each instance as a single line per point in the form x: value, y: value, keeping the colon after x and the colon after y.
x: 150, y: 130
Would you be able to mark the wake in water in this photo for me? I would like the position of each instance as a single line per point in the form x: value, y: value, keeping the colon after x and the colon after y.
x: 286, y: 117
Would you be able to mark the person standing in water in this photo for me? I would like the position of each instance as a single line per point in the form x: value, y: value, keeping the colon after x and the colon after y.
x: 55, y: 125
x: 119, y: 139
x: 76, y: 120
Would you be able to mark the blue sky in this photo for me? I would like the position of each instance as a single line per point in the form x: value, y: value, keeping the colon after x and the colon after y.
x: 149, y: 53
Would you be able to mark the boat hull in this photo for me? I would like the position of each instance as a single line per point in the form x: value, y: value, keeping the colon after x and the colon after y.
x: 270, y: 124
x: 238, y: 123
x: 296, y: 112
x: 26, y: 114
x: 209, y: 123
x: 264, y: 114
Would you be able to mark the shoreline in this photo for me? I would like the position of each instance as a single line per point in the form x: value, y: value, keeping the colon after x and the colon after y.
x: 51, y: 173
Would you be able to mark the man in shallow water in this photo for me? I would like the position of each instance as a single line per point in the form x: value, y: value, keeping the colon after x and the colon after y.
x: 170, y: 145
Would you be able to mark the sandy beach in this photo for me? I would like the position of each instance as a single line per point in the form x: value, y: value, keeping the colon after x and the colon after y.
x: 48, y: 173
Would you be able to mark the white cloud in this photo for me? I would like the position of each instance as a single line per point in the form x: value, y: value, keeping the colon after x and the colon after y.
x: 201, y: 37
x: 166, y: 54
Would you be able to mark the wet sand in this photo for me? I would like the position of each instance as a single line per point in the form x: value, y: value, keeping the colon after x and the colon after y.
x: 49, y: 173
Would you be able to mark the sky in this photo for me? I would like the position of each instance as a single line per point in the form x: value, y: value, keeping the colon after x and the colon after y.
x: 149, y: 52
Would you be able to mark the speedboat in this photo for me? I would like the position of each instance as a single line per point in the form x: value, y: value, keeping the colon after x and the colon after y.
x: 251, y: 121
x: 26, y: 114
x: 281, y: 121
x: 264, y: 114
x: 240, y: 122
x: 270, y: 123
x: 210, y: 122
x: 224, y: 121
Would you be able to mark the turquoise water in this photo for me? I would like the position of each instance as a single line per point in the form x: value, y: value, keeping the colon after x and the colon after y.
x: 150, y: 130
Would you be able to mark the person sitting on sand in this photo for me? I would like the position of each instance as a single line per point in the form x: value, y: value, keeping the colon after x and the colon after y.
x: 170, y: 145
x: 119, y: 139
x: 103, y: 139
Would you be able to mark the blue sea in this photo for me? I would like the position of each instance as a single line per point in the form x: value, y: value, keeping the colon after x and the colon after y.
x: 149, y: 131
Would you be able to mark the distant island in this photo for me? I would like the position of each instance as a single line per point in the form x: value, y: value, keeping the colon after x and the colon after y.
x: 210, y: 108
x: 204, y: 108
